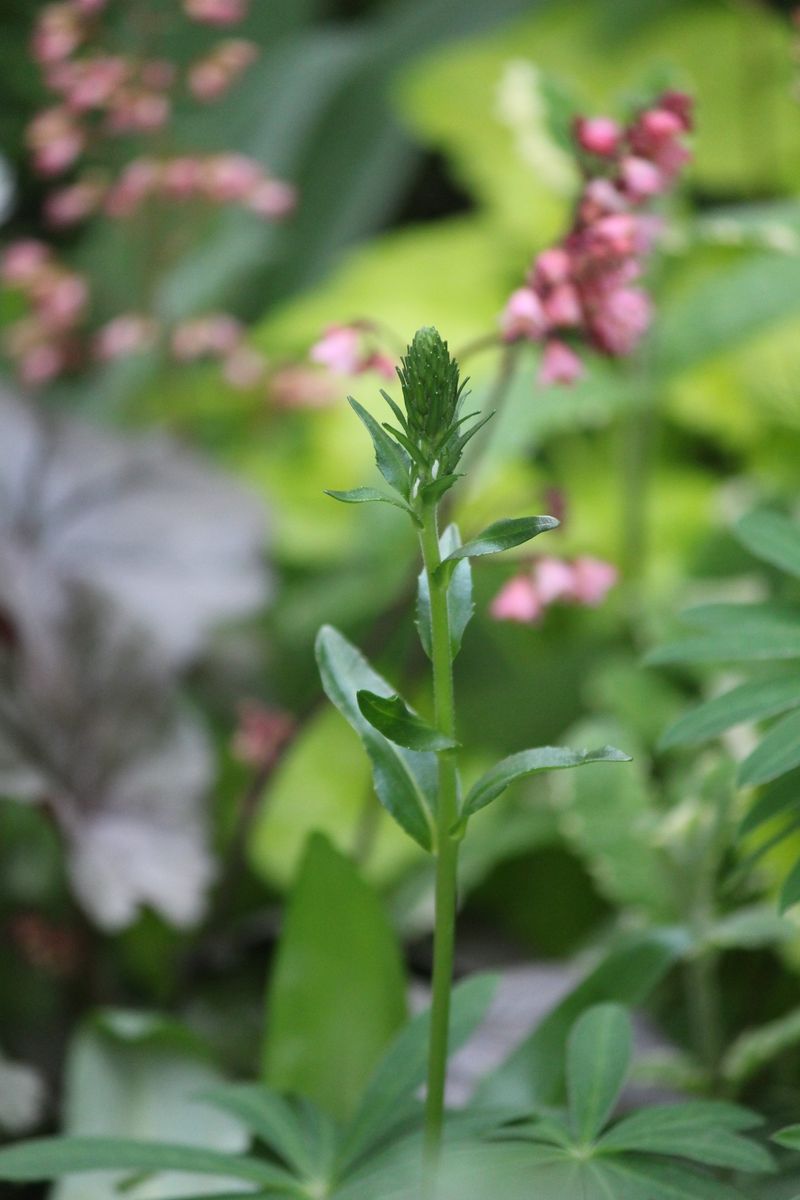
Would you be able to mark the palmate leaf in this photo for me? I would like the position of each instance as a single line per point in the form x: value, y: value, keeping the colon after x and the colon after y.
x: 705, y: 1132
x: 772, y: 537
x: 598, y: 1058
x: 392, y: 460
x: 392, y: 717
x: 405, y: 780
x: 460, y: 606
x: 50, y: 1158
x: 271, y: 1118
x: 748, y: 702
x: 777, y: 753
x: 529, y: 762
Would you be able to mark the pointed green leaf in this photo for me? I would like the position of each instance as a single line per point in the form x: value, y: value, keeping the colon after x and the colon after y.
x: 772, y: 537
x: 755, y: 1048
x: 775, y: 801
x: 50, y: 1158
x: 392, y: 717
x: 529, y: 762
x: 433, y: 492
x: 749, y: 702
x: 790, y: 892
x: 459, y: 596
x: 402, y: 1070
x: 405, y: 780
x: 598, y: 1059
x: 695, y: 1131
x: 633, y: 1178
x: 788, y: 1137
x: 765, y: 644
x: 392, y: 460
x: 368, y: 495
x: 269, y: 1117
x: 502, y: 535
x: 337, y: 988
x: 776, y: 754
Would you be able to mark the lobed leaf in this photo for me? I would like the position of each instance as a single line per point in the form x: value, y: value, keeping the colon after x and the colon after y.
x: 598, y: 1059
x: 748, y: 702
x: 392, y: 717
x: 529, y: 762
x: 405, y: 780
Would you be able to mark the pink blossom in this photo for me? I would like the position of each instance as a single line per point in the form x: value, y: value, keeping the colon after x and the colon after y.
x: 272, y: 199
x: 551, y: 267
x: 298, y: 386
x: 641, y: 178
x: 523, y: 316
x: 382, y: 364
x: 137, y: 182
x: 181, y: 177
x: 593, y: 579
x: 598, y: 135
x: 244, y: 368
x: 261, y: 734
x: 55, y: 139
x: 518, y: 601
x: 90, y: 8
x: 58, y: 33
x: 91, y: 82
x: 562, y: 306
x: 559, y: 364
x: 41, y: 364
x: 339, y: 349
x: 61, y: 300
x: 230, y: 177
x: 72, y: 204
x: 23, y: 260
x: 212, y: 76
x: 216, y: 12
x: 620, y: 320
x: 554, y: 578
x: 129, y: 333
x: 138, y: 112
x: 217, y: 335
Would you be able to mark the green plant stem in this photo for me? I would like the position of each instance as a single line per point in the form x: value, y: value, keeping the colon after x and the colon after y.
x: 446, y: 846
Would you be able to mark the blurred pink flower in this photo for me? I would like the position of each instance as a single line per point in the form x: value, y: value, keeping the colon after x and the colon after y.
x: 230, y: 177
x: 559, y: 364
x: 57, y: 34
x: 129, y: 333
x: 61, y: 300
x: 212, y: 76
x: 555, y: 579
x: 55, y: 139
x: 72, y: 204
x: 244, y: 368
x: 297, y: 386
x: 23, y: 260
x: 523, y: 316
x: 598, y: 135
x: 261, y: 734
x: 339, y: 349
x: 518, y: 600
x: 214, y: 335
x: 272, y: 199
x: 592, y: 580
x: 641, y: 178
x: 217, y: 12
x: 620, y: 319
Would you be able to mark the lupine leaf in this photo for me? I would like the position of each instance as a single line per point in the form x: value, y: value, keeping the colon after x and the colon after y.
x: 598, y: 1059
x: 639, y: 1178
x: 392, y: 461
x: 459, y: 596
x: 764, y: 644
x: 788, y: 1137
x: 528, y: 762
x: 790, y: 892
x: 368, y: 495
x: 50, y: 1158
x: 776, y: 800
x: 270, y: 1117
x: 405, y: 780
x: 777, y: 753
x: 754, y: 1048
x: 502, y: 535
x: 773, y: 537
x: 748, y: 702
x: 392, y: 717
x: 690, y: 1131
x: 402, y: 1069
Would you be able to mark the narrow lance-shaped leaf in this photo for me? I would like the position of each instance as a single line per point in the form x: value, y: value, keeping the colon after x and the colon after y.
x: 778, y: 753
x: 772, y: 537
x: 392, y: 460
x: 502, y: 535
x: 405, y: 780
x: 778, y: 799
x: 529, y: 762
x: 269, y: 1116
x: 703, y: 1131
x: 392, y: 717
x: 763, y: 644
x: 598, y: 1058
x: 790, y: 892
x: 368, y: 495
x: 50, y: 1158
x: 748, y: 702
x: 459, y: 596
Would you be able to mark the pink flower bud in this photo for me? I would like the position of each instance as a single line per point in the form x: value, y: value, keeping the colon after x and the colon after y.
x: 524, y: 316
x: 22, y: 261
x: 91, y: 83
x: 61, y: 301
x: 90, y: 8
x: 244, y: 368
x: 272, y: 199
x: 55, y: 139
x: 641, y: 178
x: 382, y: 364
x: 41, y: 364
x: 138, y: 181
x: 659, y: 124
x: 554, y: 579
x: 208, y: 80
x: 72, y: 204
x: 562, y: 307
x: 231, y: 177
x: 593, y: 579
x: 57, y: 34
x: 559, y: 364
x: 517, y: 601
x: 598, y: 135
x: 339, y: 349
x: 620, y: 321
x: 551, y: 267
x: 129, y: 333
x: 216, y: 12
x: 261, y: 734
x: 181, y: 177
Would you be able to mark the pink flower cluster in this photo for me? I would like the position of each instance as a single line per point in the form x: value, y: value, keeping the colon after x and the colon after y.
x: 581, y: 289
x: 351, y: 350
x: 43, y: 343
x: 525, y: 598
x: 221, y: 337
x: 215, y: 178
x: 211, y: 77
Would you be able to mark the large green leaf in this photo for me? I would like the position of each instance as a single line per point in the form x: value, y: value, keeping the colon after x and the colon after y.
x: 534, y: 1073
x: 598, y: 1059
x: 337, y: 990
x: 392, y: 717
x: 772, y: 537
x: 402, y: 1069
x: 405, y: 780
x: 777, y: 753
x: 459, y: 596
x: 748, y: 702
x: 49, y: 1158
x: 529, y: 762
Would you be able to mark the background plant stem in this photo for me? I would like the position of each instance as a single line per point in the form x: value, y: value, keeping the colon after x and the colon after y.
x: 446, y: 847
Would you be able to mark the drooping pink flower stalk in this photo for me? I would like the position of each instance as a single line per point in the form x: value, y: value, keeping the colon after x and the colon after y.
x: 352, y: 350
x: 579, y: 292
x: 526, y: 597
x: 211, y: 178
